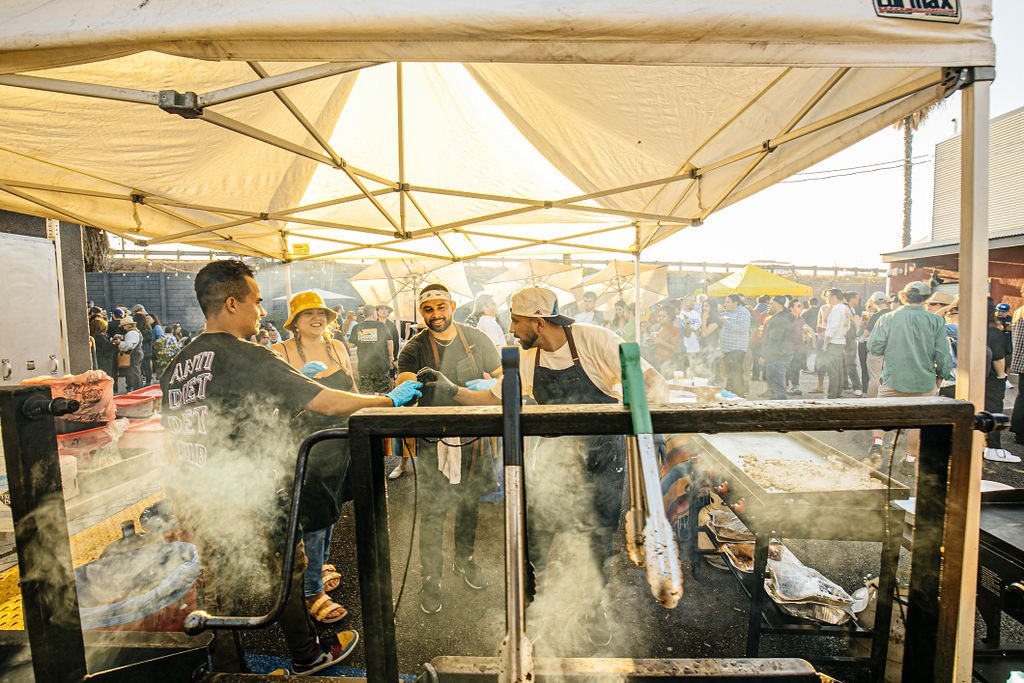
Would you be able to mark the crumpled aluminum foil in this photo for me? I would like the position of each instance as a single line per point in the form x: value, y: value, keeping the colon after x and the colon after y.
x: 803, y: 592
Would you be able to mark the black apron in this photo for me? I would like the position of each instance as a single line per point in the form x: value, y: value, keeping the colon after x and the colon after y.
x: 327, y: 485
x: 577, y: 481
x: 477, y: 455
x: 459, y: 372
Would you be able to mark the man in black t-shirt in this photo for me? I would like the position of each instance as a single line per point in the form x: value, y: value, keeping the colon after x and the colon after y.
x: 384, y: 315
x: 453, y: 475
x: 374, y: 349
x: 227, y: 408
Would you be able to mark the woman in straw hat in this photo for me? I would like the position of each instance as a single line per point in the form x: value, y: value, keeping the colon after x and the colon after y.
x: 314, y: 352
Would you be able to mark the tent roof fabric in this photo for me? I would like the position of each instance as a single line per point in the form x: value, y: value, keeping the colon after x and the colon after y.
x: 752, y: 32
x: 287, y: 131
x: 753, y: 280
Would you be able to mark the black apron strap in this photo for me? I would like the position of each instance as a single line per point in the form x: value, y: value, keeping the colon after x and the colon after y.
x: 462, y: 338
x: 434, y: 345
x: 572, y: 345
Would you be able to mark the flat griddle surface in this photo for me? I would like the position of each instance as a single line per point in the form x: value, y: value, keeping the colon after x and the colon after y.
x: 1003, y: 523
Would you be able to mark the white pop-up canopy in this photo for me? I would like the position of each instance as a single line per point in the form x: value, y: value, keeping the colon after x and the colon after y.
x: 683, y: 109
x: 289, y: 130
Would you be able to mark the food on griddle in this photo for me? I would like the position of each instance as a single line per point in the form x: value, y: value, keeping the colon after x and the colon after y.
x: 807, y: 475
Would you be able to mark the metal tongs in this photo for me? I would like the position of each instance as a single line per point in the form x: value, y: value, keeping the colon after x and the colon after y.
x: 516, y: 651
x: 649, y: 538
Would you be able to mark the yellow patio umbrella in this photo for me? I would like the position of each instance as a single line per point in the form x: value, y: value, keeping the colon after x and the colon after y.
x: 753, y: 280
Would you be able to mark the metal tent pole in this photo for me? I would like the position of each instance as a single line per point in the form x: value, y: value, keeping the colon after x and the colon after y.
x: 636, y: 288
x: 971, y: 370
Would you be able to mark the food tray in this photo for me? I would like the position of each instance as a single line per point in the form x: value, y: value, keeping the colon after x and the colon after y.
x: 798, y: 448
x: 836, y: 514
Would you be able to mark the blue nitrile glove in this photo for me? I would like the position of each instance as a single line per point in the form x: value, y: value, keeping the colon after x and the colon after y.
x: 726, y: 394
x: 481, y: 384
x: 313, y: 368
x: 404, y: 393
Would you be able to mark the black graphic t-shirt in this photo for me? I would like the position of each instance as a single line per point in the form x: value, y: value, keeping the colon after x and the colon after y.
x: 370, y: 338
x: 227, y: 404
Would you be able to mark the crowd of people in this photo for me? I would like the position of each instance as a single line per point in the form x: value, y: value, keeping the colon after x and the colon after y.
x: 899, y: 345
x: 226, y: 394
x: 131, y: 345
x: 326, y: 363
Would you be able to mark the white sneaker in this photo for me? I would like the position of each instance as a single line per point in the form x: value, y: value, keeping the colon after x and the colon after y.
x: 999, y: 455
x: 403, y: 466
x: 858, y: 393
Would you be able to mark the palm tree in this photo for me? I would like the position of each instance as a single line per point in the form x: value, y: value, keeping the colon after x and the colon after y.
x: 95, y: 249
x: 908, y: 125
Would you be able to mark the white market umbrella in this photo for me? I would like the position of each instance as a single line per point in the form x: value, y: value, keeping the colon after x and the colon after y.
x: 325, y: 294
x: 396, y: 282
x: 618, y: 281
x: 558, y: 277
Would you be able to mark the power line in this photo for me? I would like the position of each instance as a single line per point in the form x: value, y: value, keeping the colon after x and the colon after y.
x: 842, y: 175
x: 921, y: 158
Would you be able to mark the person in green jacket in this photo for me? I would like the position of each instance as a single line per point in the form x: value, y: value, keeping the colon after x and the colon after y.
x: 915, y: 359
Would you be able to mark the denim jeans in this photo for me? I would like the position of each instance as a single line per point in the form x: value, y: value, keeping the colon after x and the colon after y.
x: 775, y: 375
x: 318, y: 550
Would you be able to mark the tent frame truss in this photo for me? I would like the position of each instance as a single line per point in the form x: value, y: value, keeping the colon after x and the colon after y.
x: 190, y: 105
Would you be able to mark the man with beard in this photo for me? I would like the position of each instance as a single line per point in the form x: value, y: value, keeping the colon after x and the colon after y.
x: 227, y: 408
x: 574, y: 484
x: 452, y: 474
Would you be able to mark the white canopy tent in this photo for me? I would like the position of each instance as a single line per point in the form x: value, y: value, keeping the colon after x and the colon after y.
x: 455, y: 129
x: 683, y: 110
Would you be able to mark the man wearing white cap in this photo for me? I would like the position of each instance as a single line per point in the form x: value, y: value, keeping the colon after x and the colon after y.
x: 453, y: 476
x: 574, y: 484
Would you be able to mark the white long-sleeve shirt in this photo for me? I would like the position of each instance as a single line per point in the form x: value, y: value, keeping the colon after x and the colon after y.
x: 838, y: 324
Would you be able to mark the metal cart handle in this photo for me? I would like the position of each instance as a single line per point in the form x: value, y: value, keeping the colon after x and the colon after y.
x: 516, y: 650
x: 991, y: 422
x: 200, y: 620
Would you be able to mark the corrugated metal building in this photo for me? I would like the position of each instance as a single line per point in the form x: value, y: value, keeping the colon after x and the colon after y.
x: 939, y: 253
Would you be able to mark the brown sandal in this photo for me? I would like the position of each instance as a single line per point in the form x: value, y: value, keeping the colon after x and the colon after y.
x: 330, y: 577
x: 324, y: 610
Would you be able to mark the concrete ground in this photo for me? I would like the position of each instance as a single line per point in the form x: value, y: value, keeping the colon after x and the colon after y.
x: 710, y: 621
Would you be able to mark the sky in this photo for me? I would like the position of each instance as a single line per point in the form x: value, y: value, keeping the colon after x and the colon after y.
x: 851, y: 219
